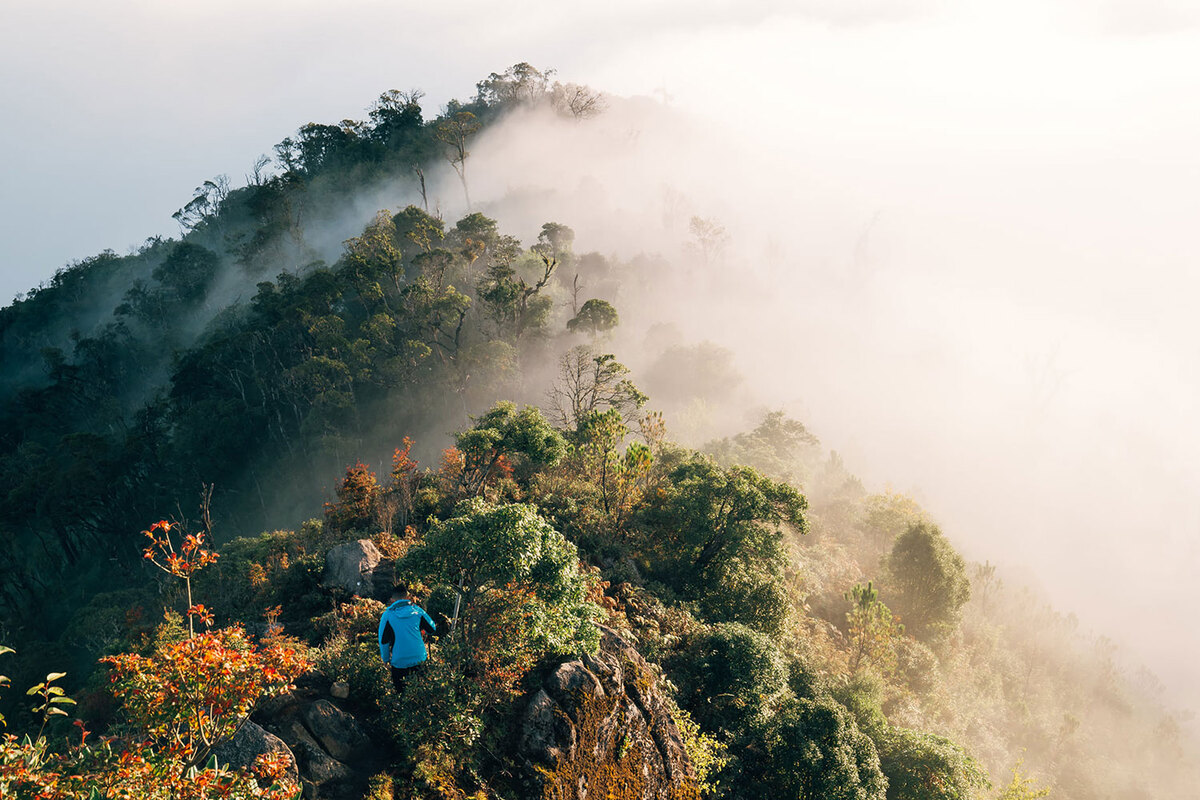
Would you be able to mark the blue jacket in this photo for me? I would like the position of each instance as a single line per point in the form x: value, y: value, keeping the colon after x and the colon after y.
x: 400, y: 641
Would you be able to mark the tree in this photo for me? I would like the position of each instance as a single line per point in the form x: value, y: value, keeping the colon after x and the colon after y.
x: 1021, y: 787
x: 717, y: 534
x: 922, y: 766
x: 774, y: 447
x: 929, y: 582
x: 872, y: 631
x: 205, y: 204
x: 596, y: 316
x: 576, y: 101
x: 719, y: 514
x: 888, y: 515
x: 520, y: 84
x: 710, y: 238
x: 811, y: 748
x: 494, y: 552
x: 357, y: 498
x: 188, y: 272
x: 589, y: 383
x: 619, y: 477
x: 396, y: 117
x: 504, y: 437
x: 194, y: 694
x: 728, y: 676
x: 454, y: 131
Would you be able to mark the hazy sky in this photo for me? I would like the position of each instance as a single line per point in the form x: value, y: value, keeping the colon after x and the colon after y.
x: 995, y: 202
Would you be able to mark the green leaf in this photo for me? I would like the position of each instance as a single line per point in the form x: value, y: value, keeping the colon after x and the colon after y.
x: 53, y: 711
x: 65, y: 700
x: 53, y: 676
x: 4, y: 650
x: 34, y: 689
x: 55, y: 690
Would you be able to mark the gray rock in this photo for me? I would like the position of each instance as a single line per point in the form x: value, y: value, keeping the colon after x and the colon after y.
x: 568, y: 681
x: 338, y: 733
x: 350, y: 567
x: 546, y: 734
x: 248, y: 744
x: 318, y: 766
x: 340, y: 690
x: 600, y: 725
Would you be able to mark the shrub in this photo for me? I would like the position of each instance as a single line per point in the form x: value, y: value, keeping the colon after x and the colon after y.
x: 812, y: 748
x: 727, y: 675
x: 922, y: 766
x: 929, y: 582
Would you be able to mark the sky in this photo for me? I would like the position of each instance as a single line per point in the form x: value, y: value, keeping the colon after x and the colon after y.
x: 985, y: 210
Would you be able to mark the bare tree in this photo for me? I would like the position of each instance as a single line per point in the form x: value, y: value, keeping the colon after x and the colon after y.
x: 421, y: 177
x: 573, y: 100
x: 589, y: 382
x: 454, y: 131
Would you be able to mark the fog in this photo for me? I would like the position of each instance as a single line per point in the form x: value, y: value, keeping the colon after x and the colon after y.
x: 960, y: 234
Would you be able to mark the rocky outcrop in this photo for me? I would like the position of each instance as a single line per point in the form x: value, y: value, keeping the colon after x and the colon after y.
x: 332, y: 752
x: 351, y: 568
x: 248, y: 744
x: 339, y: 734
x: 599, y: 727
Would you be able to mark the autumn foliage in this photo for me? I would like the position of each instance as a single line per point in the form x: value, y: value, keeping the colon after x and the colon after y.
x: 191, y: 695
x: 182, y: 700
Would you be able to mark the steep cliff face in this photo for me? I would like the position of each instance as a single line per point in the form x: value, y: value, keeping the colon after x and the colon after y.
x: 600, y: 728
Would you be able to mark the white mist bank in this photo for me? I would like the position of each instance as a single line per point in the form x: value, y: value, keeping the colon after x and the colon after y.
x: 994, y: 333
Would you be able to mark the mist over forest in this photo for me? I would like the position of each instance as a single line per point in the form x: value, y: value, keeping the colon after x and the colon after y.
x: 892, y: 345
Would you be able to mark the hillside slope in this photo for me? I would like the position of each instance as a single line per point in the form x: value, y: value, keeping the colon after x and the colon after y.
x: 807, y: 636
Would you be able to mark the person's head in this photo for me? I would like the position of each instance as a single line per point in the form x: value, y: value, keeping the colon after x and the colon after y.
x: 399, y: 590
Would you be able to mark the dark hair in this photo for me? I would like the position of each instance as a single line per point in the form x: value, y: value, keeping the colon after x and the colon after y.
x: 400, y: 589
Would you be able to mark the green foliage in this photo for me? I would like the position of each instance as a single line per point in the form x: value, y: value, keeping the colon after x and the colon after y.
x: 929, y: 582
x: 862, y: 695
x: 917, y: 665
x: 888, y: 515
x: 810, y: 748
x: 350, y: 651
x: 728, y: 675
x: 508, y: 550
x: 619, y: 477
x: 523, y: 441
x: 922, y: 766
x: 872, y: 632
x: 718, y: 535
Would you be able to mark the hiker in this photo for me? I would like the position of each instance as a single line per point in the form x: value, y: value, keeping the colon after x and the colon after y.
x: 402, y: 631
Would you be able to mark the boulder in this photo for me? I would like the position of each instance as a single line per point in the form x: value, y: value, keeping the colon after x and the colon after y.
x: 350, y: 567
x: 248, y: 744
x: 319, y: 767
x: 600, y: 727
x: 338, y: 733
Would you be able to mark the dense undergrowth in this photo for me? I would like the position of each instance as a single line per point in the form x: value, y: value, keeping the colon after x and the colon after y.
x: 819, y: 639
